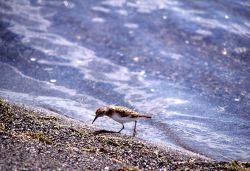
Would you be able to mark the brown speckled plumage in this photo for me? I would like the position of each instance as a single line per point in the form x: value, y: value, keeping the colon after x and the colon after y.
x: 126, y: 112
x: 120, y: 114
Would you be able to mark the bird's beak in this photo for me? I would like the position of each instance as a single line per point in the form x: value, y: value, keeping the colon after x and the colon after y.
x: 95, y: 119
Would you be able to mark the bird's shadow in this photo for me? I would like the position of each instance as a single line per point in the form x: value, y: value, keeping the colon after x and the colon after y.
x: 103, y: 131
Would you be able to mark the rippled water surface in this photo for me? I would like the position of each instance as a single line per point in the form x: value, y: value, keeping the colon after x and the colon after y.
x: 185, y: 62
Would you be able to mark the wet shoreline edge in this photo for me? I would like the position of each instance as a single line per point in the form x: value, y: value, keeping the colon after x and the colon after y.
x: 37, y: 139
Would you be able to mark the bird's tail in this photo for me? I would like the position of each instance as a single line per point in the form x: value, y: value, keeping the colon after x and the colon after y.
x: 145, y: 116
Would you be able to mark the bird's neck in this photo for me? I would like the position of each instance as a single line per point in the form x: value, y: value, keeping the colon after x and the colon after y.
x: 109, y: 113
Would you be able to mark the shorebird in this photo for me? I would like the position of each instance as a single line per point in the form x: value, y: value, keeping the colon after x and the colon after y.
x: 120, y: 114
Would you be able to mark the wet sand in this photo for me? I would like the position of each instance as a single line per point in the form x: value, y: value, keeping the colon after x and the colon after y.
x: 37, y: 139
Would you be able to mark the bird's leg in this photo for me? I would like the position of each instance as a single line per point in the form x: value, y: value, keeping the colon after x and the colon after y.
x: 135, y: 128
x: 122, y: 128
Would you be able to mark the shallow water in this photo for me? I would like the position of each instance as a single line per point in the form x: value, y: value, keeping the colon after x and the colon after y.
x: 185, y: 63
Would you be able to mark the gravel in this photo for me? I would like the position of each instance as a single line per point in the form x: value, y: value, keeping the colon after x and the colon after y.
x: 36, y: 139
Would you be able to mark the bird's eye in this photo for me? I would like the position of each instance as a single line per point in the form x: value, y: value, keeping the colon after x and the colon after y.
x: 100, y: 113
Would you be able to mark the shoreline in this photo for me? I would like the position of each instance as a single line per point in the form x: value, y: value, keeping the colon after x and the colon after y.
x: 39, y: 139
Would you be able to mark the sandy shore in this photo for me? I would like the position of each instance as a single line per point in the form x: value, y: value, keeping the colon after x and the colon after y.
x: 34, y: 139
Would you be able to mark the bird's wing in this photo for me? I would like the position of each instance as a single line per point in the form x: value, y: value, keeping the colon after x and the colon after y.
x: 125, y: 112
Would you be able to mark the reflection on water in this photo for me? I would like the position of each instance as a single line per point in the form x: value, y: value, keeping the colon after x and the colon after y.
x: 185, y: 63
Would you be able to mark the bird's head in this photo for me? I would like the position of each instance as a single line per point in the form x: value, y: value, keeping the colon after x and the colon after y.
x: 100, y: 112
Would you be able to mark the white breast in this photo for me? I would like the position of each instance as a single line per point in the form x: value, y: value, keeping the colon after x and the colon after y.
x: 120, y: 119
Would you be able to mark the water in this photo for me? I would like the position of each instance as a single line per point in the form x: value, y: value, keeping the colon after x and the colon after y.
x: 185, y: 63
